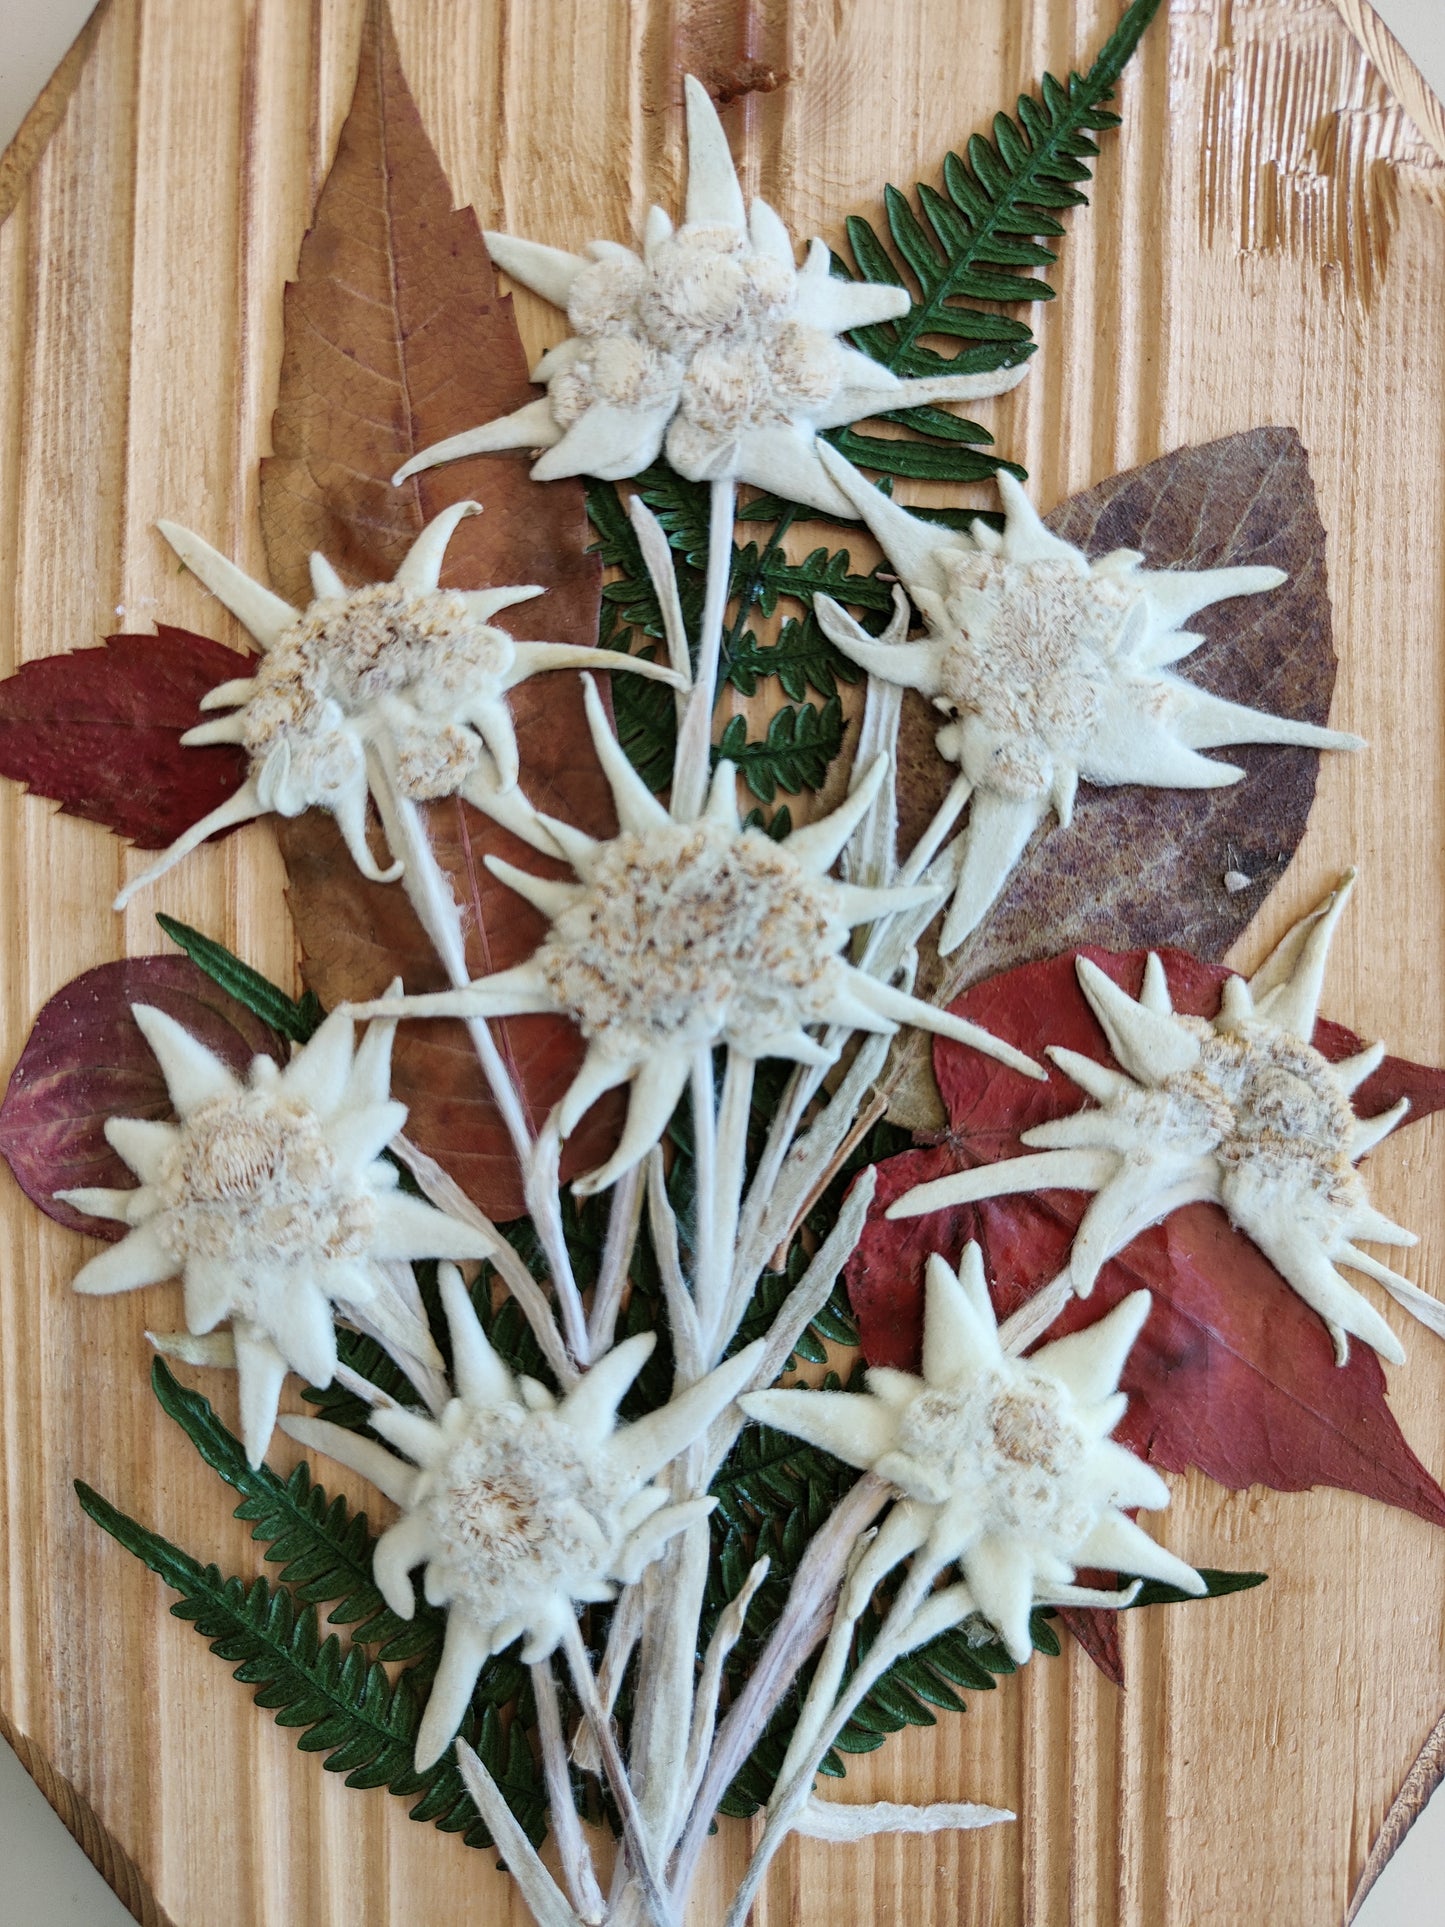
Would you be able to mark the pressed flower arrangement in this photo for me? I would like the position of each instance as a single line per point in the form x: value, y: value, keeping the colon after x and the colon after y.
x: 591, y: 1134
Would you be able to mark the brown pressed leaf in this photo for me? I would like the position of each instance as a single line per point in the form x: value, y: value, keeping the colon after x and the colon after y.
x: 396, y: 337
x: 99, y: 732
x: 1142, y: 866
x: 87, y: 1061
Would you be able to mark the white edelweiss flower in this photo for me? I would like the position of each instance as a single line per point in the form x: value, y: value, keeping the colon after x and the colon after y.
x: 1004, y: 1464
x: 711, y: 341
x: 523, y: 1505
x: 1239, y: 1110
x: 682, y: 935
x: 401, y: 681
x: 269, y: 1199
x: 1052, y: 669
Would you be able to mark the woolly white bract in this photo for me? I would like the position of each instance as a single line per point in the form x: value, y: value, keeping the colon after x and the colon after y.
x: 711, y: 343
x: 1051, y: 669
x: 1240, y: 1110
x: 1003, y: 1464
x: 396, y: 690
x: 269, y: 1199
x: 679, y: 936
x: 523, y: 1505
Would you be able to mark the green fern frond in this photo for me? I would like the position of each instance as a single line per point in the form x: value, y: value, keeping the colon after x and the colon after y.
x: 983, y: 238
x: 793, y: 756
x: 802, y: 659
x: 344, y: 1703
x: 322, y: 1547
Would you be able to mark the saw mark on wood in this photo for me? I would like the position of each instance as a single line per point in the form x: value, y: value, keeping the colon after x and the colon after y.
x: 1303, y: 149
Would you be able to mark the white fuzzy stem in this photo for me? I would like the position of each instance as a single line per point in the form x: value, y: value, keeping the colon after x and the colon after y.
x: 623, y: 1218
x: 541, y: 1186
x: 543, y: 1896
x: 622, y: 1636
x: 816, y: 1820
x: 941, y: 822
x: 810, y: 1294
x: 430, y: 895
x: 576, y: 1861
x: 694, y: 736
x: 713, y: 1269
x: 681, y: 1312
x: 796, y: 1313
x: 834, y: 1821
x: 869, y: 857
x: 667, y: 1667
x: 795, y: 1781
x: 705, y: 1169
x: 827, y: 1679
x: 800, y: 1626
x: 657, y: 556
x: 889, y: 942
x: 1033, y: 1319
x: 597, y: 1717
x: 782, y: 1187
x: 709, y: 1688
x: 442, y: 1190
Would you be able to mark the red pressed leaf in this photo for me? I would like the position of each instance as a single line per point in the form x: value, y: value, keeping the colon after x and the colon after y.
x: 1233, y: 1373
x: 99, y: 732
x: 395, y: 338
x: 1097, y: 1632
x: 86, y: 1061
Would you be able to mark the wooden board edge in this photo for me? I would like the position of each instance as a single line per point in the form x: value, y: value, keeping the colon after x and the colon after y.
x: 1425, y: 1775
x: 101, y: 1849
x: 1423, y: 105
x: 33, y: 135
x: 1398, y: 71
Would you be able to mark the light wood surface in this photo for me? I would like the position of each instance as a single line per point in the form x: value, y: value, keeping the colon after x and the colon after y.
x: 1265, y: 244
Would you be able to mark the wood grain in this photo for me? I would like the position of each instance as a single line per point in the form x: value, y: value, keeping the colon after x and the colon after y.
x: 1265, y: 245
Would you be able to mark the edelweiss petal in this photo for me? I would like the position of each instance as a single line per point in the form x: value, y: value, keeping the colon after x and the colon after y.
x: 1241, y: 1110
x: 1052, y: 669
x: 522, y: 1506
x: 711, y: 343
x: 680, y: 936
x: 1002, y: 1464
x: 403, y: 672
x: 268, y: 1204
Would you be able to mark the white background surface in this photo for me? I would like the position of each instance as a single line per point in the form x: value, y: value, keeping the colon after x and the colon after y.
x: 47, y: 1881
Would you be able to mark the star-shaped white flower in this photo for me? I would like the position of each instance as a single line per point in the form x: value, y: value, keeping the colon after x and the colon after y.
x: 523, y: 1505
x: 710, y: 342
x: 1003, y: 1464
x: 1052, y: 669
x: 679, y: 936
x: 269, y: 1199
x: 1240, y: 1110
x: 402, y: 683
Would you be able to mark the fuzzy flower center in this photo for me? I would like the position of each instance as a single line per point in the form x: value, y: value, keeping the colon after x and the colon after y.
x: 1034, y: 670
x: 517, y: 1507
x: 254, y: 1182
x: 1291, y: 1120
x: 1270, y: 1110
x: 704, y: 330
x: 1007, y: 1451
x: 690, y: 932
x: 421, y: 655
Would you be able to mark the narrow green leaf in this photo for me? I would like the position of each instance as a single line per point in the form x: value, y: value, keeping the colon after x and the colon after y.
x: 295, y: 1020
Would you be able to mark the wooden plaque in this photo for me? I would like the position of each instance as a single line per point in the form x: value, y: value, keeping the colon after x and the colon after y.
x: 1265, y: 244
